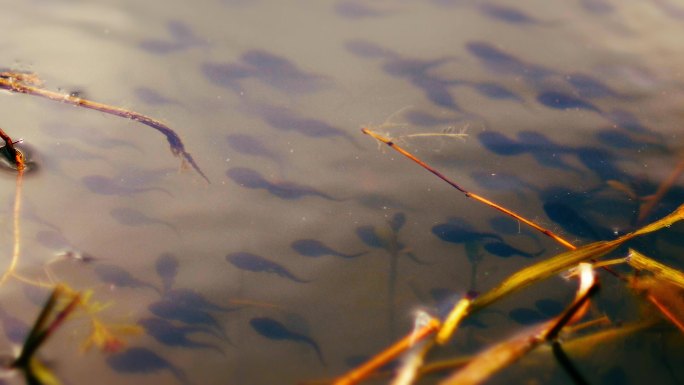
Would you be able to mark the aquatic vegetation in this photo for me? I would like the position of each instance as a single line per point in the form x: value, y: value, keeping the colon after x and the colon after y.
x: 662, y: 289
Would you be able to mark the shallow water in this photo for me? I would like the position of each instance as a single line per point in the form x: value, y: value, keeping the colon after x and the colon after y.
x: 554, y: 101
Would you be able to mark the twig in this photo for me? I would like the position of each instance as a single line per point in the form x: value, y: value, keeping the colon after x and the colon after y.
x: 27, y: 84
x: 468, y: 194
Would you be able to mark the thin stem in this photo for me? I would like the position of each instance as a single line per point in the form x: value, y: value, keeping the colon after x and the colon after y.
x: 467, y: 193
x: 567, y: 364
x: 389, y: 354
x: 16, y: 250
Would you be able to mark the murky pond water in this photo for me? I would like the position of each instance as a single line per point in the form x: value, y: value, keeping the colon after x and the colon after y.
x: 311, y: 248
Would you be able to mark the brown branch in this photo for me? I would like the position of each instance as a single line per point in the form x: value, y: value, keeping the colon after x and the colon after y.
x: 28, y: 84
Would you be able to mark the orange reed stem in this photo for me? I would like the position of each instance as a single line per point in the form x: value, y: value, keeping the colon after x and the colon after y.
x: 357, y: 375
x: 467, y: 193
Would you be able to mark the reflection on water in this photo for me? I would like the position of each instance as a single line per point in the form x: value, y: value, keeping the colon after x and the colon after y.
x: 288, y: 265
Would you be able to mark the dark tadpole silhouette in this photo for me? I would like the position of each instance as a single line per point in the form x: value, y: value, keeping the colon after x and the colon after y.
x: 505, y: 250
x: 286, y: 119
x: 498, y: 60
x: 166, y: 266
x: 15, y: 329
x: 190, y: 316
x: 250, y: 145
x: 545, y: 152
x: 138, y: 360
x: 171, y: 335
x: 572, y: 222
x: 545, y: 309
x: 525, y: 316
x: 628, y: 121
x: 272, y: 70
x: 182, y: 38
x: 275, y: 330
x: 602, y: 163
x: 563, y: 101
x: 116, y: 276
x: 314, y: 248
x: 622, y: 140
x: 507, y: 14
x: 191, y: 299
x: 418, y: 72
x: 494, y: 91
x: 457, y: 230
x: 356, y: 10
x: 386, y: 237
x: 248, y: 178
x: 598, y: 7
x: 131, y: 217
x: 152, y: 97
x: 588, y: 86
x: 501, y: 181
x: 255, y: 263
x: 368, y: 235
x: 500, y: 144
x: 102, y: 185
x: 549, y: 307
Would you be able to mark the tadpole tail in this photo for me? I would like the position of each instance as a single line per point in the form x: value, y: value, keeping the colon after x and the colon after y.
x: 350, y: 256
x: 286, y: 273
x: 315, y: 347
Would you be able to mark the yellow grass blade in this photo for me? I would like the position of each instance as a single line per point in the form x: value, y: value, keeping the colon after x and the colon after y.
x: 563, y: 261
x: 659, y: 270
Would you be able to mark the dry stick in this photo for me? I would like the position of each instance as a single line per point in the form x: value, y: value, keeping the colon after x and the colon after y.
x: 468, y: 194
x: 17, y: 230
x: 22, y: 83
x: 388, y: 354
